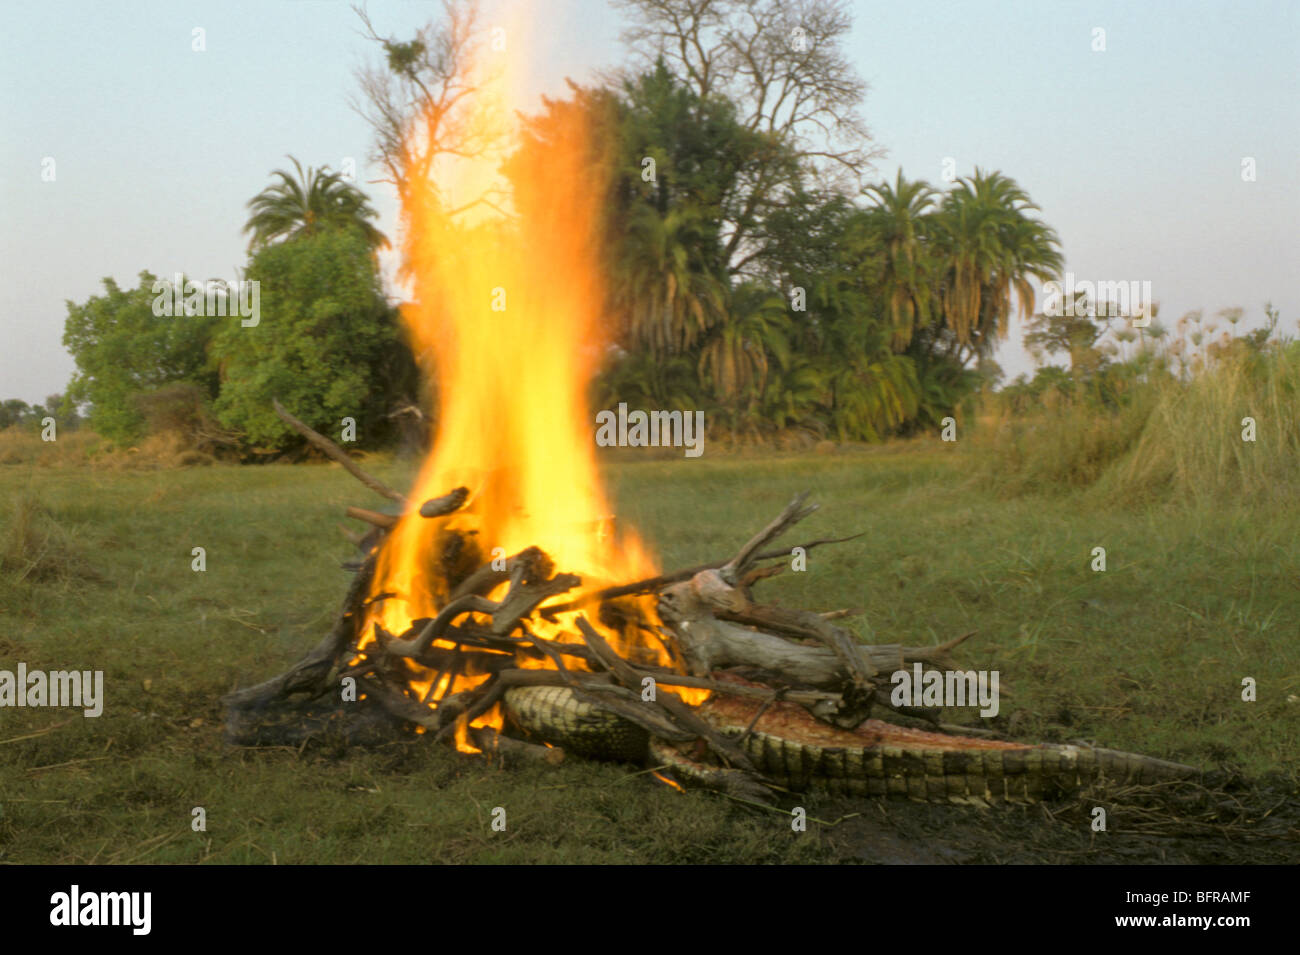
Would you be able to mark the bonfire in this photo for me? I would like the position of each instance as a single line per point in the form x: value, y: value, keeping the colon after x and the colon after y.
x: 505, y: 611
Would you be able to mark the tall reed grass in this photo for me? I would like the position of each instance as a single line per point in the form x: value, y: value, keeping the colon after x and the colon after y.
x: 1169, y: 435
x: 1195, y: 443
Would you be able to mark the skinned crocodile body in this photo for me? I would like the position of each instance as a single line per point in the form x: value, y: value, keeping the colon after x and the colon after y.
x: 795, y: 751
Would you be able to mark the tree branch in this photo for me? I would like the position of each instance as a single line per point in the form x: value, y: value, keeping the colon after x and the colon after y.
x: 337, y: 453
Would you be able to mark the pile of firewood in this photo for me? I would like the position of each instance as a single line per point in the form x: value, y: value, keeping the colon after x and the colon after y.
x: 706, y: 618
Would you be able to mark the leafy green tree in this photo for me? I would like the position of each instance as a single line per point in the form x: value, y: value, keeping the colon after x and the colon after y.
x: 314, y: 201
x: 783, y: 68
x: 1073, y: 331
x: 13, y: 411
x: 666, y: 160
x: 324, y: 344
x: 678, y: 159
x: 943, y: 385
x: 60, y: 408
x: 829, y: 315
x: 123, y: 349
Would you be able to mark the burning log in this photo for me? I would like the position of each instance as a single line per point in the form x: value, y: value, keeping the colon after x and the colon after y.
x: 442, y: 506
x: 535, y: 564
x: 493, y: 743
x: 809, y: 666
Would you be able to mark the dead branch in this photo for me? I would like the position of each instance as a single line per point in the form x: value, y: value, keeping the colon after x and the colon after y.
x: 522, y: 600
x: 794, y: 512
x: 731, y: 782
x: 418, y: 646
x: 707, y: 644
x: 690, y: 607
x: 629, y: 705
x: 337, y: 453
x: 449, y: 670
x: 840, y: 614
x: 760, y: 573
x: 493, y: 744
x: 805, y: 623
x: 652, y: 584
x: 402, y: 706
x: 802, y: 697
x: 680, y: 713
x: 537, y: 566
x: 374, y: 518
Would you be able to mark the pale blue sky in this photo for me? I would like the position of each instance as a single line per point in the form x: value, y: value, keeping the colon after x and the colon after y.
x: 1134, y: 153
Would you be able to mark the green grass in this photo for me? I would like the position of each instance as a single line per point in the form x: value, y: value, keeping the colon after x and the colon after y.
x: 1147, y: 656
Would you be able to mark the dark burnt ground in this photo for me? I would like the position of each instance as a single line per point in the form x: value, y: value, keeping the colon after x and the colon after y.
x: 1225, y: 821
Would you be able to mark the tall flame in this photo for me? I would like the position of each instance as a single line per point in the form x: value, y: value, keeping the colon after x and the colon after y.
x: 506, y: 303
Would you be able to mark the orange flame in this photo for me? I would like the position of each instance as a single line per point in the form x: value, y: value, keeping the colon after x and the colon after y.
x: 506, y: 303
x: 669, y: 782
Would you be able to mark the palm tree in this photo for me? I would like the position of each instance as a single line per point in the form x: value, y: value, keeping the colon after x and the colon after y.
x: 899, y: 216
x: 314, y: 201
x: 645, y: 382
x: 873, y: 396
x: 666, y: 301
x: 993, y: 249
x: 735, y: 357
x: 795, y: 396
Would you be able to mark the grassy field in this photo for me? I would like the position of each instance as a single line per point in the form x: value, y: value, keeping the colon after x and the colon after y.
x: 95, y: 573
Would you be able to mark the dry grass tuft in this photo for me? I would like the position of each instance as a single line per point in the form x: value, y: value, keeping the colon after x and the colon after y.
x: 36, y: 547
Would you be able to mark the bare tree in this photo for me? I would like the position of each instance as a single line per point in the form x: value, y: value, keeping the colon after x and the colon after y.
x: 782, y: 63
x: 420, y: 99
